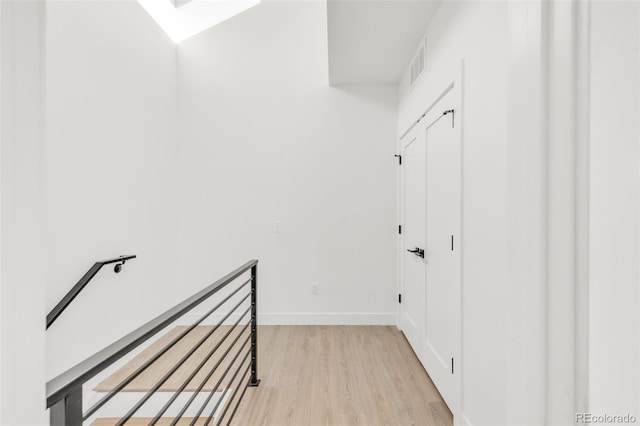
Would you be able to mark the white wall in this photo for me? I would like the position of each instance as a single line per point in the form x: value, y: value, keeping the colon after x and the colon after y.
x: 110, y: 172
x: 263, y: 138
x: 22, y: 339
x: 318, y: 159
x: 477, y: 33
x: 614, y: 321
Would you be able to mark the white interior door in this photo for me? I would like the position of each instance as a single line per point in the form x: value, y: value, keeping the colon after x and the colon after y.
x: 413, y: 294
x: 442, y: 333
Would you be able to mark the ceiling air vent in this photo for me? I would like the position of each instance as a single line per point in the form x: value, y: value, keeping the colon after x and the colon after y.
x: 417, y: 65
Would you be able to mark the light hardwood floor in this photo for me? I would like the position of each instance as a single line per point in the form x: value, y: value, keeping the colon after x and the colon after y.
x: 340, y: 375
x: 310, y: 375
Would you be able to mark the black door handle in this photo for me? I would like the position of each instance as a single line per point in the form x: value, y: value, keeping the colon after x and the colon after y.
x: 417, y: 251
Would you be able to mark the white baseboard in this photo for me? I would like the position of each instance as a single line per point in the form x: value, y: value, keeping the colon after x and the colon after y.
x: 301, y: 318
x: 328, y: 318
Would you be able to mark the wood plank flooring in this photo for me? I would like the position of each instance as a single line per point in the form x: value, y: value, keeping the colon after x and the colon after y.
x: 316, y: 375
x: 340, y: 375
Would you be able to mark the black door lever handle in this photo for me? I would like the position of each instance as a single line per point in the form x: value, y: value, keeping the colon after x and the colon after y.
x: 417, y: 251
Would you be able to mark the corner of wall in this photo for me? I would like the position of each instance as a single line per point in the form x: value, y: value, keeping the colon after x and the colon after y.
x: 22, y: 342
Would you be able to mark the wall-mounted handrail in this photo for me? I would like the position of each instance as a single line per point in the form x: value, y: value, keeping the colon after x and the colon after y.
x: 64, y: 393
x: 82, y: 283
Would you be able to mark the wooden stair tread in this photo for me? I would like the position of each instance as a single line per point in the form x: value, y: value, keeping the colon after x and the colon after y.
x: 144, y: 421
x: 151, y: 376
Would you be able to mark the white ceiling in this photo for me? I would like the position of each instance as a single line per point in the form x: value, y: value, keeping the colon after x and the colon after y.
x: 372, y: 41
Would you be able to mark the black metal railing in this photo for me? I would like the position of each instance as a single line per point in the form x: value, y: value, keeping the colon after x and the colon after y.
x: 82, y: 283
x: 64, y: 393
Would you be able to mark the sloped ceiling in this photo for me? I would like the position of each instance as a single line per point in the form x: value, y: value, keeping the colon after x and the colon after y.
x: 372, y: 41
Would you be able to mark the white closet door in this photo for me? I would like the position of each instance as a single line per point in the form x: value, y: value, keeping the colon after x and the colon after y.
x: 413, y: 297
x: 441, y: 347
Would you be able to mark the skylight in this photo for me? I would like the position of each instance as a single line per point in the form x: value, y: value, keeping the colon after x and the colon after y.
x: 182, y: 19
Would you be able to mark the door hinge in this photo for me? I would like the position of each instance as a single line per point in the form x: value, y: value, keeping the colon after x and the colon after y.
x: 453, y: 116
x: 399, y: 298
x: 452, y: 243
x: 399, y: 158
x: 399, y: 229
x: 451, y: 365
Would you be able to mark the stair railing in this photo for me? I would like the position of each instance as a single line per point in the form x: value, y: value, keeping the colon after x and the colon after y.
x: 64, y: 393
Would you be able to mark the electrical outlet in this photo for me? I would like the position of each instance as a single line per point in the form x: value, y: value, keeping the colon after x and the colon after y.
x: 315, y: 287
x: 277, y: 226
